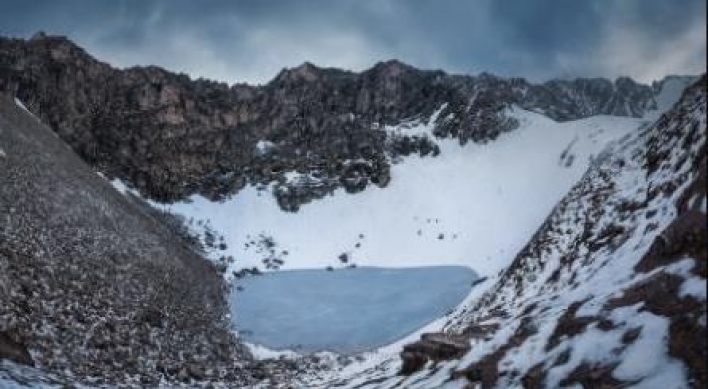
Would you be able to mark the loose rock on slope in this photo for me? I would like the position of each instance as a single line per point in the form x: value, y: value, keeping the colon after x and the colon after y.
x: 93, y: 287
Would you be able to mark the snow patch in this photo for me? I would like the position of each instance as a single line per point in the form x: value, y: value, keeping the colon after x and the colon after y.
x: 694, y: 287
x: 645, y: 357
x: 22, y: 105
x: 121, y: 187
x: 262, y: 352
x: 264, y: 147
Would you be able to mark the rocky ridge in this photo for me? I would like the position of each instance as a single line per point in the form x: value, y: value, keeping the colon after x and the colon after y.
x: 170, y: 137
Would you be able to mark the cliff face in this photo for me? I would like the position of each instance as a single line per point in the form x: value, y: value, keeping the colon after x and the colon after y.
x: 170, y: 136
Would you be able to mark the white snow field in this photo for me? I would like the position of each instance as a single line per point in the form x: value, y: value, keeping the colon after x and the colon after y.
x: 474, y: 205
x: 344, y: 311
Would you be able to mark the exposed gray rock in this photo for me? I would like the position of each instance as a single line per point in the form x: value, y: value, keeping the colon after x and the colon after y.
x: 91, y: 283
x: 433, y: 347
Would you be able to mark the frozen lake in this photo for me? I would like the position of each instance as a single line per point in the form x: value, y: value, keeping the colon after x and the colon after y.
x: 347, y: 310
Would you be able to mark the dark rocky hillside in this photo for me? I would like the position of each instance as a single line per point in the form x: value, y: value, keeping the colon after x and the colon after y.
x: 170, y: 136
x: 93, y: 287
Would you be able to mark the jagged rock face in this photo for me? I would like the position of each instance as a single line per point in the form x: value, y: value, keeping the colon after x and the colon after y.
x: 171, y: 137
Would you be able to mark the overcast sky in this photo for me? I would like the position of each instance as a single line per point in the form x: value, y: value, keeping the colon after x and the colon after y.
x: 251, y: 41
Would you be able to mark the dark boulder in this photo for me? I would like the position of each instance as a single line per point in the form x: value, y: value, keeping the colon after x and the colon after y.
x: 432, y: 347
x: 13, y: 350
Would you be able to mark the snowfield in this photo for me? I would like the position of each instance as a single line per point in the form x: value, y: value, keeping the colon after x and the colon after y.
x: 580, y: 304
x: 473, y: 205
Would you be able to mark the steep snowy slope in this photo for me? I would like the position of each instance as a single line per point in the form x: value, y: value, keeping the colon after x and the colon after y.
x: 473, y: 205
x: 609, y: 293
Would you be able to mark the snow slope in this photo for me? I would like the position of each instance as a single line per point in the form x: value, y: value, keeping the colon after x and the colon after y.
x: 609, y: 293
x: 475, y: 205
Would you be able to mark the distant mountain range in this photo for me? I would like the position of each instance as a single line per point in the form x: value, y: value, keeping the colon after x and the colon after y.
x: 170, y: 136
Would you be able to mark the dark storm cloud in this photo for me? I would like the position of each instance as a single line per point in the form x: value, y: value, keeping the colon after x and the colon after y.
x: 253, y: 40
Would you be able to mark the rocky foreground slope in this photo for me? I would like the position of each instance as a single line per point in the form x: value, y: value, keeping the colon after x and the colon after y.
x: 171, y: 136
x: 609, y: 293
x: 94, y: 287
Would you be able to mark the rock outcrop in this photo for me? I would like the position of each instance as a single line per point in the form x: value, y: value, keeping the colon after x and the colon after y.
x: 432, y: 347
x: 14, y: 350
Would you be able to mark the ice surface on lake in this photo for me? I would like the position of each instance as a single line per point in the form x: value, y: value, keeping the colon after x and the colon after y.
x: 347, y: 310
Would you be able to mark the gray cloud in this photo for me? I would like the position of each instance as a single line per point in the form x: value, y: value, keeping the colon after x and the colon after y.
x: 252, y: 40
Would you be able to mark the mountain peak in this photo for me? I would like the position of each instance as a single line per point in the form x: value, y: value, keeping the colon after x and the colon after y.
x: 38, y: 35
x: 392, y: 68
x: 306, y: 71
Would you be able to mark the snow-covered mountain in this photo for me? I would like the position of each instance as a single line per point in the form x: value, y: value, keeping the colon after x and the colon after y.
x: 610, y: 292
x: 580, y: 202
